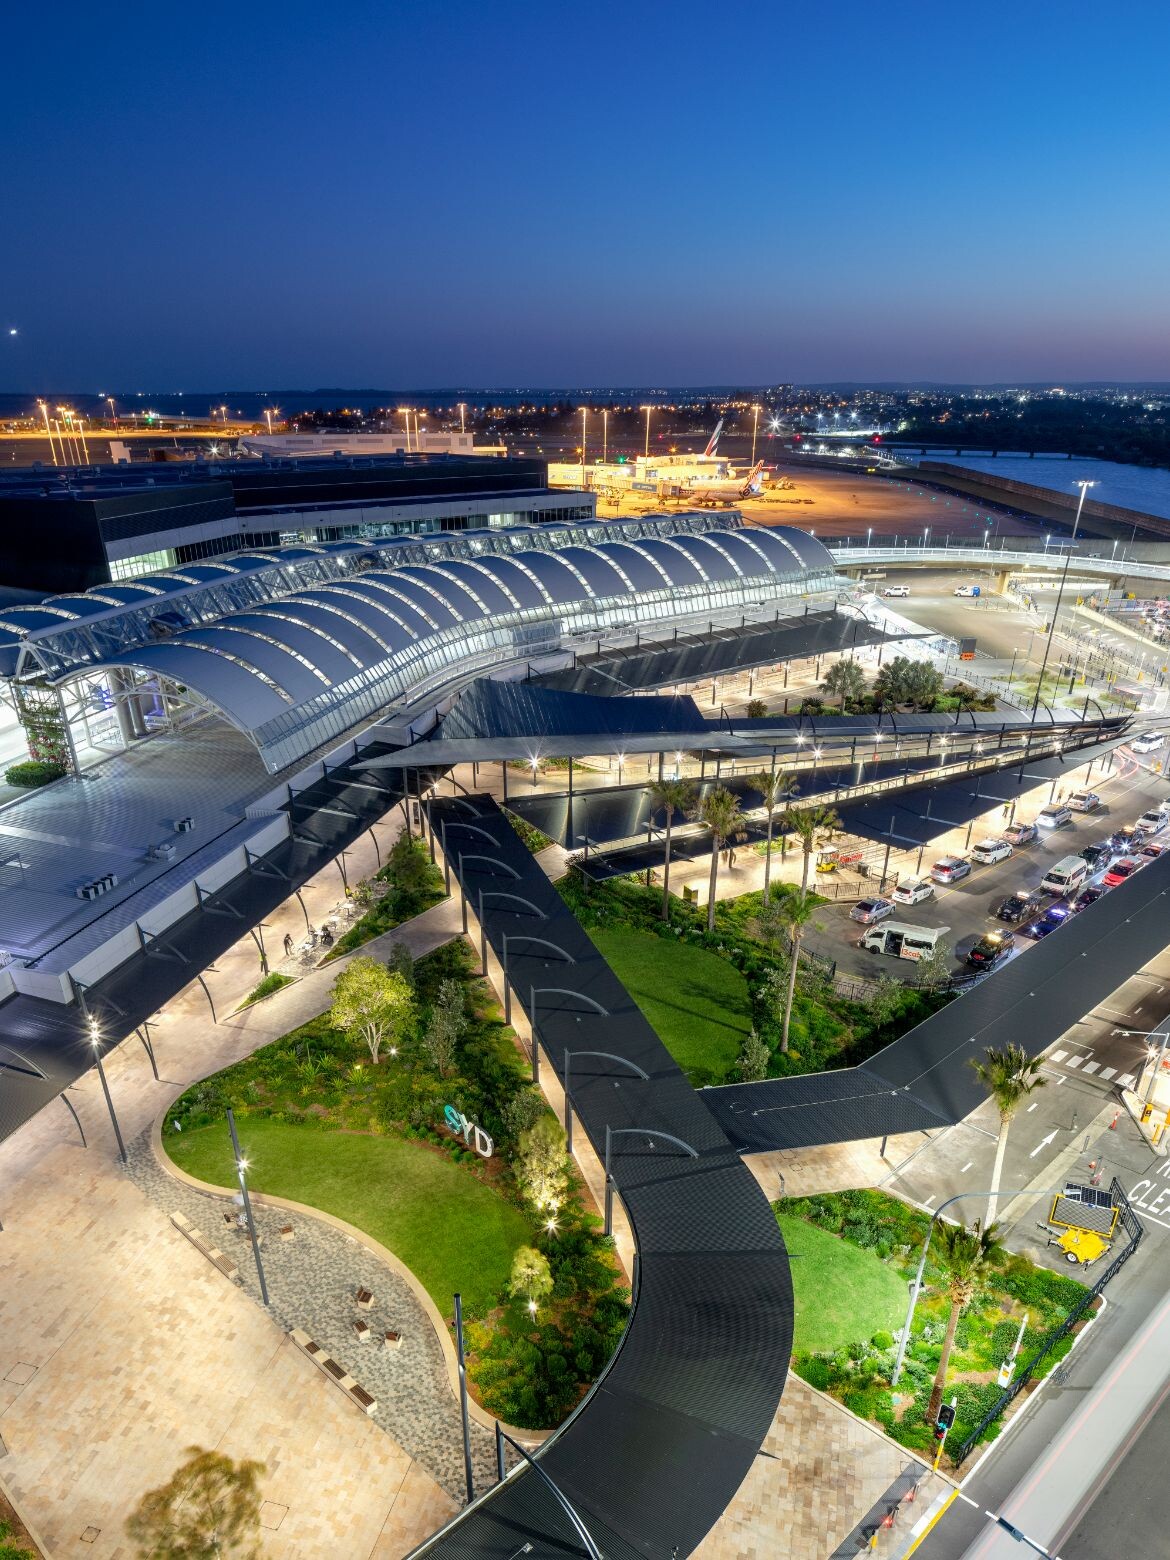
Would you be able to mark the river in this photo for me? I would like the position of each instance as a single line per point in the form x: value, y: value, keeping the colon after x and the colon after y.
x: 1146, y: 488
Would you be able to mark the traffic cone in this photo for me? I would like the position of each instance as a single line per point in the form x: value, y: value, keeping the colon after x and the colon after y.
x: 1113, y: 1123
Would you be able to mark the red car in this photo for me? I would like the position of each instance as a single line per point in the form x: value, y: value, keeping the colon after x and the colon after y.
x: 1122, y: 869
x: 1152, y: 852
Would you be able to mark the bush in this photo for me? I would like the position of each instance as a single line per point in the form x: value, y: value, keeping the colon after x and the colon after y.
x: 33, y: 772
x: 882, y: 1340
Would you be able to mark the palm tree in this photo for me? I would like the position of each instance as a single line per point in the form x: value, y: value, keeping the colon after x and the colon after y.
x: 806, y: 825
x: 846, y: 679
x: 797, y: 911
x: 1009, y: 1076
x: 670, y: 796
x: 964, y: 1252
x: 720, y: 814
x: 776, y: 788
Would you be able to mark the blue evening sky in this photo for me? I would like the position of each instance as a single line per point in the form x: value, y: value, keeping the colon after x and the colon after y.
x: 509, y: 193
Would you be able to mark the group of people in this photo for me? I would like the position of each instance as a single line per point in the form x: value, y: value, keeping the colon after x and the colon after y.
x: 321, y: 939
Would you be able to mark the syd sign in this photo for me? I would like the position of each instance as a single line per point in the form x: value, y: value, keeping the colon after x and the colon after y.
x: 475, y: 1137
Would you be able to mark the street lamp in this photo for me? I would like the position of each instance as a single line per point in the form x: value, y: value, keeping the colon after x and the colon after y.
x: 463, y: 417
x: 604, y: 434
x: 916, y: 1285
x: 868, y: 537
x: 1012, y: 669
x: 647, y: 410
x: 1084, y: 487
x: 584, y: 414
x: 404, y: 411
x: 113, y: 411
x: 49, y: 431
x: 241, y: 1172
x: 755, y: 430
x: 95, y: 1040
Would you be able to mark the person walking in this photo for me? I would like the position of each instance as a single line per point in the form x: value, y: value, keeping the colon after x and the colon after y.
x: 288, y: 945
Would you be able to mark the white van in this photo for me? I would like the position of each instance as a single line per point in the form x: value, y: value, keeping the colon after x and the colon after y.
x: 1066, y: 876
x: 901, y: 941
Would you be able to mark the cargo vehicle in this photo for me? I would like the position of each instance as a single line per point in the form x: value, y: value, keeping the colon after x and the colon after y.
x: 901, y: 941
x: 1069, y: 874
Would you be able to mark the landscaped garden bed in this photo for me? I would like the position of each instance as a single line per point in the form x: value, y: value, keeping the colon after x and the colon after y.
x: 854, y: 1254
x: 352, y: 1121
x: 706, y: 992
x: 408, y: 884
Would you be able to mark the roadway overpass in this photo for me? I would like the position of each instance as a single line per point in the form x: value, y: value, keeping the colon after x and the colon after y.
x: 1108, y: 566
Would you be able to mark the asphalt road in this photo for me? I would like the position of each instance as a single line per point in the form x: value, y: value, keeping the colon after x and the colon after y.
x: 966, y: 908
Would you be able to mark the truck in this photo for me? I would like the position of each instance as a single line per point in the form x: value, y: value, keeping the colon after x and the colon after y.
x: 902, y: 941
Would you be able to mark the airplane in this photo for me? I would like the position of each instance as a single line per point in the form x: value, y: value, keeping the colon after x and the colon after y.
x: 713, y: 441
x: 722, y: 492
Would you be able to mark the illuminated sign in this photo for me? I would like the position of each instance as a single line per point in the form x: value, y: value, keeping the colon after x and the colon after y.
x: 475, y: 1137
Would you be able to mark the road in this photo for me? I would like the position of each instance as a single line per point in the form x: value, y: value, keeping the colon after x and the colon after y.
x: 966, y: 907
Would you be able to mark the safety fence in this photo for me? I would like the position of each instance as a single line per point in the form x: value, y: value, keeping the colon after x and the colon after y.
x: 1029, y: 1372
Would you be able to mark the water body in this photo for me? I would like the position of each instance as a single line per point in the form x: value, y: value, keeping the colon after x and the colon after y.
x: 1145, y: 488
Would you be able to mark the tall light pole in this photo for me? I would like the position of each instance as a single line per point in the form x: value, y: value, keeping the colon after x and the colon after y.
x: 113, y: 411
x: 916, y: 1283
x: 647, y: 410
x: 405, y: 414
x: 95, y: 1040
x: 241, y: 1172
x: 1084, y: 487
x: 584, y: 415
x: 49, y: 431
x: 604, y: 434
x: 1051, y: 632
x: 268, y: 417
x: 463, y: 417
x: 755, y: 430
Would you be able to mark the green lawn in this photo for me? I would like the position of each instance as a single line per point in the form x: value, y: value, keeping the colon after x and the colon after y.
x: 451, y: 1230
x: 697, y: 1002
x: 843, y: 1294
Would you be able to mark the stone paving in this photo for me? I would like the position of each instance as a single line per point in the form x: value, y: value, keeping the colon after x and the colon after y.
x: 312, y: 1280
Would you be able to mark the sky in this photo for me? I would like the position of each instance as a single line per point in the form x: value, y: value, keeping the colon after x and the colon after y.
x: 371, y: 194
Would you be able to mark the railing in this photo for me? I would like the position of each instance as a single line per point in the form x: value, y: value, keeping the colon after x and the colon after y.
x: 1133, y: 1227
x: 992, y: 557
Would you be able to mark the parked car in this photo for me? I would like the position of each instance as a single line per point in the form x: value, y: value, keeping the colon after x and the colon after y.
x: 1065, y: 877
x: 1128, y: 837
x: 1054, y: 816
x: 1099, y: 855
x: 1152, y: 822
x: 1018, y: 834
x: 1151, y: 852
x: 1084, y: 801
x: 1021, y: 906
x: 1052, y: 919
x: 991, y: 949
x: 1089, y: 896
x: 988, y: 852
x: 912, y: 892
x: 950, y: 869
x: 1120, y: 870
x: 867, y: 911
x: 966, y: 590
x: 902, y: 941
x: 1148, y: 742
x: 896, y: 590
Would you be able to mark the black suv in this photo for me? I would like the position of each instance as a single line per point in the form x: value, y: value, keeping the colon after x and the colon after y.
x: 1099, y: 855
x: 1019, y: 907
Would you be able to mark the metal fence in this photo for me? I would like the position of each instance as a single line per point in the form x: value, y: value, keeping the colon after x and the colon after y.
x: 1133, y: 1228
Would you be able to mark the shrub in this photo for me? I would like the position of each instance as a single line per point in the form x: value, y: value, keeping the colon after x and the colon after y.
x: 882, y: 1340
x: 33, y: 772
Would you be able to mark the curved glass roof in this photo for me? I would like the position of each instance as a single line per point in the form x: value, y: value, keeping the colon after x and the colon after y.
x: 376, y: 632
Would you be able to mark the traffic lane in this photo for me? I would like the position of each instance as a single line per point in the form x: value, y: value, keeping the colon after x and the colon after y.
x: 996, y: 624
x: 990, y: 1478
x: 968, y: 907
x: 1130, y: 1504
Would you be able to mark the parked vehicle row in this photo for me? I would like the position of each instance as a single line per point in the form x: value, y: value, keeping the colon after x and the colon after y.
x: 1067, y: 887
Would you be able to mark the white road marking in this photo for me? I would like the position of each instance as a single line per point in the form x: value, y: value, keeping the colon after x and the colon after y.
x: 1107, y: 1073
x: 966, y: 1167
x: 1058, y: 1056
x: 930, y: 1199
x: 1074, y: 1061
x: 1062, y: 1079
x: 1043, y: 1143
x: 1091, y: 1067
x: 1127, y: 1080
x: 1032, y: 1106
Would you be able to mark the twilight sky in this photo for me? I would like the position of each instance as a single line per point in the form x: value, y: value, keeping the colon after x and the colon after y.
x: 369, y: 193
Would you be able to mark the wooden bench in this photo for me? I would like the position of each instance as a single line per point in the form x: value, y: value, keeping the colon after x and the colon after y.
x: 356, y: 1393
x: 213, y: 1254
x: 287, y: 1232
